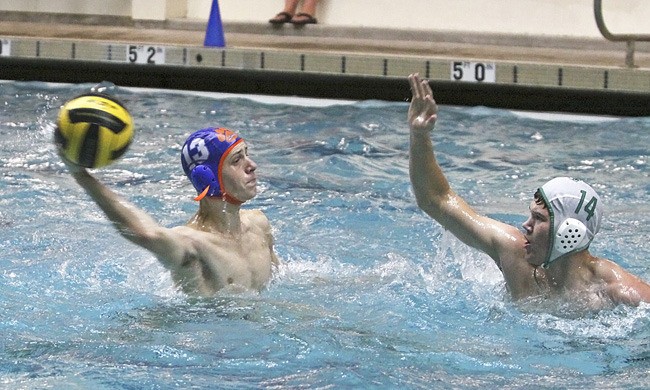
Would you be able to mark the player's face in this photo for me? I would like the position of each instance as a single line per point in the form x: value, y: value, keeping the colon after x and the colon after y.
x: 238, y: 173
x: 536, y: 232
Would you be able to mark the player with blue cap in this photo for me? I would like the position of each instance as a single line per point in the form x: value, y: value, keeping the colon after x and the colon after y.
x: 550, y: 257
x: 221, y: 246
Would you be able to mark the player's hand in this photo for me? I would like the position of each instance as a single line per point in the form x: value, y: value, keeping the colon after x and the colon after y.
x: 72, y: 167
x: 423, y: 110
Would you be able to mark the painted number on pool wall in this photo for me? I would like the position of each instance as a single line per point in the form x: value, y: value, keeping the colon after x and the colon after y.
x: 5, y: 48
x: 478, y: 72
x: 139, y: 54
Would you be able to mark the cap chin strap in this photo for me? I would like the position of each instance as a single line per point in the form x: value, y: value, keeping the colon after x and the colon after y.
x: 571, y: 236
x: 226, y: 197
x: 232, y: 200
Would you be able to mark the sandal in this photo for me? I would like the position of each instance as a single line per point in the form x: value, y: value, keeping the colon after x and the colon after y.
x: 305, y: 19
x: 281, y: 18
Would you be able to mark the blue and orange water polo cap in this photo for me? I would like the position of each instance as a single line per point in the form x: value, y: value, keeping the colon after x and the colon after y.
x: 202, y: 157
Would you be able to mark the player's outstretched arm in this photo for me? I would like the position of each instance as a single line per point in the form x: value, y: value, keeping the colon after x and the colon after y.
x: 431, y: 188
x: 131, y: 222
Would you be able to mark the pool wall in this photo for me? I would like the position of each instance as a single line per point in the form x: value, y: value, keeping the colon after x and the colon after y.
x: 330, y: 85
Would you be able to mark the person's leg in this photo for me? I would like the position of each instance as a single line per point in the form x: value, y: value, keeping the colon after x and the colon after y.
x: 290, y: 6
x: 287, y: 12
x: 307, y: 13
x: 309, y: 7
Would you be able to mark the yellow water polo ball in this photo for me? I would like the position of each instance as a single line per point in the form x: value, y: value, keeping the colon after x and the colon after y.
x: 93, y: 130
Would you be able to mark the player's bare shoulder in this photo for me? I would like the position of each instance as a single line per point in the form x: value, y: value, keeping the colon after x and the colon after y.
x: 187, y: 231
x: 620, y: 285
x: 605, y: 270
x: 255, y: 219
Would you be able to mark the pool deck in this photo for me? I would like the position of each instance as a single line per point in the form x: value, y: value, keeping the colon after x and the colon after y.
x: 322, y: 38
x: 549, y: 63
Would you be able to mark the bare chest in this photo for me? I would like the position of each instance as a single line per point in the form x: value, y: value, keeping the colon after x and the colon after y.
x: 226, y: 261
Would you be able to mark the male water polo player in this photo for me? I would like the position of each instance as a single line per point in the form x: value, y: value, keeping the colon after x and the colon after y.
x: 221, y: 245
x: 551, y: 256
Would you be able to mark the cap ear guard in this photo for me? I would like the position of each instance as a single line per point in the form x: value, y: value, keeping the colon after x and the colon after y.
x: 571, y: 235
x: 205, y: 181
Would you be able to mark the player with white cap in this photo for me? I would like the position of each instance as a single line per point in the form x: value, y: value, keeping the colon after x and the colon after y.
x: 551, y: 256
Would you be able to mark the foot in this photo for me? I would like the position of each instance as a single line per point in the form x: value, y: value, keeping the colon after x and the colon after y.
x: 303, y: 18
x: 281, y: 18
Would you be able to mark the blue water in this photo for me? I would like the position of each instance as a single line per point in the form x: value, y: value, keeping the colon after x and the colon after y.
x: 371, y: 293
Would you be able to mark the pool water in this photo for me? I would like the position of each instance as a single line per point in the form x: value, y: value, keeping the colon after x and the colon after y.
x: 371, y: 293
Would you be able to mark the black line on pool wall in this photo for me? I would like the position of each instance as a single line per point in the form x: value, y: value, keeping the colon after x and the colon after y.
x: 73, y: 53
x: 515, y: 74
x: 343, y: 64
x: 262, y: 60
x: 606, y: 79
x: 110, y: 52
x: 302, y: 62
x: 427, y: 69
x: 184, y: 56
x: 38, y: 48
x: 385, y: 67
x: 223, y: 58
x: 559, y: 76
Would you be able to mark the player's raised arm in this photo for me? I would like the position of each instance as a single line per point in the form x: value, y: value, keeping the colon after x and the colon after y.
x: 93, y: 130
x: 432, y: 190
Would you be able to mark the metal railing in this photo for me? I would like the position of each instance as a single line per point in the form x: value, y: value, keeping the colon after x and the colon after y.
x: 630, y: 39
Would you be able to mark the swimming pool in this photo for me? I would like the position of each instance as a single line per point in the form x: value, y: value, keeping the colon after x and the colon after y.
x: 371, y: 292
